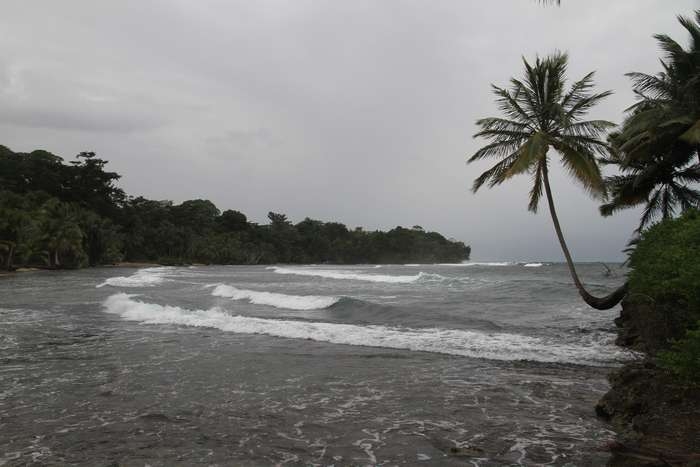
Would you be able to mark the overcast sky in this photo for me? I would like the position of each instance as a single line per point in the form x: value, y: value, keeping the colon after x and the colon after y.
x: 356, y: 111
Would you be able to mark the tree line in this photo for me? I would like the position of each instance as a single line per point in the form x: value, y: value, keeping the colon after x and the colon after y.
x: 69, y: 215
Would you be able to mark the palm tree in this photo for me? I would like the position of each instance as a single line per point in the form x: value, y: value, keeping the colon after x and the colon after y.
x: 667, y: 116
x: 539, y: 115
x: 61, y: 234
x: 662, y: 182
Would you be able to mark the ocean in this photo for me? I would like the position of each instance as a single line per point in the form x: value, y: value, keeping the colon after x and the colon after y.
x: 482, y: 364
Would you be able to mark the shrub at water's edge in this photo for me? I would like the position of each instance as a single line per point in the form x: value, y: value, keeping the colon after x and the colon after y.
x: 664, y: 299
x: 662, y: 312
x: 666, y: 263
x: 655, y: 404
x: 684, y: 357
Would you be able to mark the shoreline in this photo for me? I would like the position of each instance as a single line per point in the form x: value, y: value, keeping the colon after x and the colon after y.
x: 654, y: 415
x: 125, y: 264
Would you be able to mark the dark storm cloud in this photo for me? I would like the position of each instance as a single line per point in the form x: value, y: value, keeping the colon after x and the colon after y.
x: 357, y: 111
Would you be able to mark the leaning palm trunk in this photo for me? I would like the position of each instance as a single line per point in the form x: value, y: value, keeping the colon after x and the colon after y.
x: 540, y: 114
x: 599, y: 303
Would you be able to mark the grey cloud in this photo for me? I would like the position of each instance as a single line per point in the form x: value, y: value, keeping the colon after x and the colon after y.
x: 358, y: 111
x: 241, y: 143
x: 80, y: 119
x: 34, y: 97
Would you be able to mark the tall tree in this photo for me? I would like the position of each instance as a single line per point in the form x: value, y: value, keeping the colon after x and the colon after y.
x: 539, y: 114
x: 62, y: 236
x: 660, y: 138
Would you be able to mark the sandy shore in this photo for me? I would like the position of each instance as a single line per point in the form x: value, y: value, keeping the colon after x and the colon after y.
x: 125, y: 264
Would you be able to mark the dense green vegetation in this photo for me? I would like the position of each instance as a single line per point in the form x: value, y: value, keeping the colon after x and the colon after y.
x: 666, y: 262
x: 656, y: 148
x: 666, y: 273
x: 61, y: 215
x: 684, y: 356
x: 657, y: 151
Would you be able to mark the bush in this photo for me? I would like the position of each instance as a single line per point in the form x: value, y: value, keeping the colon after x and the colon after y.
x: 666, y: 265
x: 684, y: 357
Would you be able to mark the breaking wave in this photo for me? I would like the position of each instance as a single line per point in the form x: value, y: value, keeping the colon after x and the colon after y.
x: 336, y: 274
x: 142, y: 278
x: 532, y: 265
x: 494, y: 346
x: 277, y: 300
x: 476, y: 263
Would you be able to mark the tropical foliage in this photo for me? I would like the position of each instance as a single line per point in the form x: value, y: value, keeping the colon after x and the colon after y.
x: 664, y: 183
x: 539, y: 113
x: 72, y: 215
x: 683, y: 358
x: 665, y: 274
x: 666, y: 263
x: 657, y: 148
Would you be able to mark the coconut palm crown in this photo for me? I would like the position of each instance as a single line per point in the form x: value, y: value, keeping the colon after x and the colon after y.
x: 667, y: 114
x: 664, y: 183
x: 539, y: 114
x: 657, y: 148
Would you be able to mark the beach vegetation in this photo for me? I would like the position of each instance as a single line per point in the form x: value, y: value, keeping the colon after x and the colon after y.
x: 59, y: 215
x: 665, y: 275
x: 657, y: 147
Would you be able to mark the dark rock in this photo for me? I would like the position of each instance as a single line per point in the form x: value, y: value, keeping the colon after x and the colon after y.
x: 646, y: 326
x: 466, y: 451
x: 657, y: 417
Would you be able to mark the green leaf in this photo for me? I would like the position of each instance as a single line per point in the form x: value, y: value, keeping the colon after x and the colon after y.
x: 692, y: 134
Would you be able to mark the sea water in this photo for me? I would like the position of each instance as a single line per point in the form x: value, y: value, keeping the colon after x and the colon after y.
x: 473, y: 363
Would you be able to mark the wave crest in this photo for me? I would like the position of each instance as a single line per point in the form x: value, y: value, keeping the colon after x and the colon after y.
x: 277, y: 300
x: 147, y: 277
x: 345, y: 275
x: 494, y: 346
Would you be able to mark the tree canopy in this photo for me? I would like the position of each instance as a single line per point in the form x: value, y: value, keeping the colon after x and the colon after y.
x: 71, y: 215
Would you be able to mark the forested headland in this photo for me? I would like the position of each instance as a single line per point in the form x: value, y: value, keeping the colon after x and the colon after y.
x: 69, y: 215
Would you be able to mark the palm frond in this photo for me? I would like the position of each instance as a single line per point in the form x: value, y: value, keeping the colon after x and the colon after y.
x: 533, y: 151
x: 583, y: 105
x: 581, y: 164
x: 497, y: 149
x: 651, y: 210
x: 494, y: 175
x: 537, y: 186
x: 510, y: 104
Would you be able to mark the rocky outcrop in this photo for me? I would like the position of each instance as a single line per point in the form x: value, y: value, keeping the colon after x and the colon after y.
x: 656, y: 416
x: 646, y: 326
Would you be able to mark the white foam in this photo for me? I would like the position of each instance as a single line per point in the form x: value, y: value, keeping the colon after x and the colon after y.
x: 147, y: 277
x: 496, y: 346
x: 337, y: 274
x: 277, y: 300
x: 475, y: 263
x: 532, y: 265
